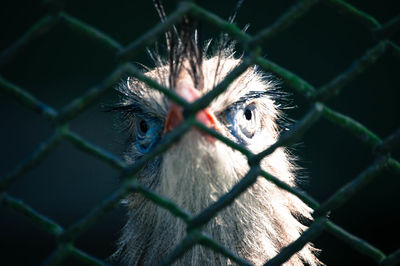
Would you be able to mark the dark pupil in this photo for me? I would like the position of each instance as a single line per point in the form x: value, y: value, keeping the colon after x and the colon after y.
x: 247, y: 114
x: 143, y: 126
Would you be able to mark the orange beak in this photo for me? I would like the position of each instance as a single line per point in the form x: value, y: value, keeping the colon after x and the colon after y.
x: 175, y: 116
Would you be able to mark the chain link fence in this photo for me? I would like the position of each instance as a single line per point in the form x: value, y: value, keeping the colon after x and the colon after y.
x: 317, y: 97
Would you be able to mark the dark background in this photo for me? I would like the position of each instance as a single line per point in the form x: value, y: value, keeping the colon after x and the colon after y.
x: 63, y: 65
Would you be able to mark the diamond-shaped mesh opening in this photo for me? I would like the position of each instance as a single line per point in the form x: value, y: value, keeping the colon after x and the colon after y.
x: 315, y: 105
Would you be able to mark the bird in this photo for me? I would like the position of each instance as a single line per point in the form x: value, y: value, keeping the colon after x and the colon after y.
x: 198, y: 169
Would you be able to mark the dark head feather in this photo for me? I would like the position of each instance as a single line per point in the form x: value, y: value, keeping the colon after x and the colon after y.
x: 184, y: 54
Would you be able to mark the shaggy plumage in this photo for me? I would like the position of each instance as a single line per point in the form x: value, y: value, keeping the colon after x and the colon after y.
x: 195, y: 172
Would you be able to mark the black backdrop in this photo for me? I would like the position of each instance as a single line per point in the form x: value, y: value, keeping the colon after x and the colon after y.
x: 63, y: 64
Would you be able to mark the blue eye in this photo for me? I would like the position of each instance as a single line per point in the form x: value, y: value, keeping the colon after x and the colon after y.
x: 147, y: 133
x: 243, y: 122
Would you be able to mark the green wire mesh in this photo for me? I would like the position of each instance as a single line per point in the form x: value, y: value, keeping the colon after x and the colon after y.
x: 316, y: 96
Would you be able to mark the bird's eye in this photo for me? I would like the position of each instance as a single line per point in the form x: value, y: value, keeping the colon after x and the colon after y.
x: 248, y: 114
x: 243, y: 122
x: 143, y: 126
x: 146, y: 133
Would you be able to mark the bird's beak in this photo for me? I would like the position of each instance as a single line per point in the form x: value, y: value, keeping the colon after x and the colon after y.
x: 186, y: 90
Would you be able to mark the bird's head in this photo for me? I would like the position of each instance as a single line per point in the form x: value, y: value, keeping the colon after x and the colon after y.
x: 246, y: 113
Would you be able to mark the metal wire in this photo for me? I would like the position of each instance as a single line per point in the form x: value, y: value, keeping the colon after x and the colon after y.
x: 60, y: 119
